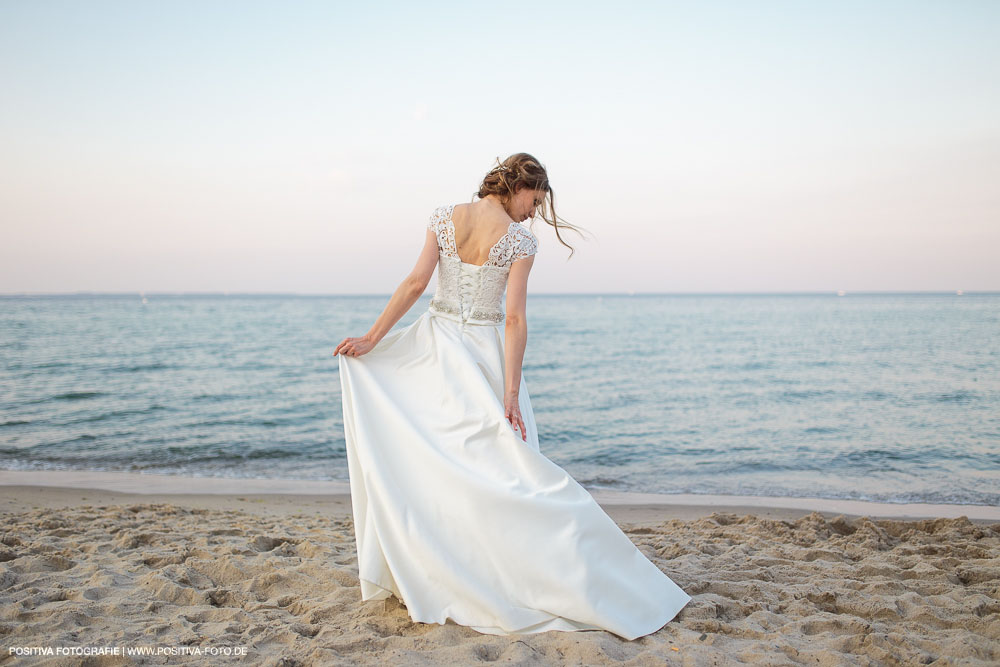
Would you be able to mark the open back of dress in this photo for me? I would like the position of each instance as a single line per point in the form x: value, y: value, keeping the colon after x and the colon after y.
x: 454, y: 513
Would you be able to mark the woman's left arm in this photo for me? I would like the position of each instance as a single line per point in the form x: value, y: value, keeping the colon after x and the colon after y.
x: 401, y: 301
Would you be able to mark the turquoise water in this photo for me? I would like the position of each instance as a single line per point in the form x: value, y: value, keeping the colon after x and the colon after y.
x: 889, y: 397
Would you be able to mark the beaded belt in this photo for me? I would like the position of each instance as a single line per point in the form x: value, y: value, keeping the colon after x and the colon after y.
x: 489, y: 316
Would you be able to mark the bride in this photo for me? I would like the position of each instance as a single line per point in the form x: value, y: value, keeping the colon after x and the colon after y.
x: 456, y: 511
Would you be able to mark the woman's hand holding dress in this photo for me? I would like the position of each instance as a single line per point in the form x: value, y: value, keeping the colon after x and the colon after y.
x: 512, y: 411
x: 354, y: 346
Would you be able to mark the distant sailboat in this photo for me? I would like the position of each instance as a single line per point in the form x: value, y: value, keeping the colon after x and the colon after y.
x: 958, y: 292
x: 841, y: 292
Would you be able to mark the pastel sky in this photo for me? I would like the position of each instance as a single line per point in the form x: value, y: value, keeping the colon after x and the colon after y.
x: 206, y: 146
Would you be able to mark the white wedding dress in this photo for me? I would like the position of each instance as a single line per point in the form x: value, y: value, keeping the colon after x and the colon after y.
x: 454, y: 513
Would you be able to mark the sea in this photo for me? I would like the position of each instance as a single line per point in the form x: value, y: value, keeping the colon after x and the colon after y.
x: 888, y: 397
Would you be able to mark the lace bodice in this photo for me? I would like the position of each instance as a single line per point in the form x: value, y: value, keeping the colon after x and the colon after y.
x: 472, y: 293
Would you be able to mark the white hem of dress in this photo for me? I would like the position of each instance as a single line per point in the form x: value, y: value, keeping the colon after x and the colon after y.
x: 553, y: 624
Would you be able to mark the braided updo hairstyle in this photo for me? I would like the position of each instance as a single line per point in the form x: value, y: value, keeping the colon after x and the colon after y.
x: 520, y: 171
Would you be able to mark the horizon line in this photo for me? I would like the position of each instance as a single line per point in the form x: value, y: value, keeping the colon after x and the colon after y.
x: 141, y: 294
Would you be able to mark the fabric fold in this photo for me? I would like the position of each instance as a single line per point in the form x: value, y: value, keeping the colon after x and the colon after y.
x: 460, y: 518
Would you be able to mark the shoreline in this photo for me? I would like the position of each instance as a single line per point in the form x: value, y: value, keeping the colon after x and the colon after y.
x: 22, y: 489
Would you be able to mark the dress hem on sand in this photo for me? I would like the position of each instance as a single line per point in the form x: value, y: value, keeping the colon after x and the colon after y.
x: 554, y: 623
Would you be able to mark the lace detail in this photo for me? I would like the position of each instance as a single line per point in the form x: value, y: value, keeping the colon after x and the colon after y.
x: 439, y: 223
x: 469, y: 292
x: 519, y: 242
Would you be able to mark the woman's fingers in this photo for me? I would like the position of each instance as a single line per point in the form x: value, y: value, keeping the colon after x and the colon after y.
x: 346, y: 347
x: 352, y: 347
x: 514, y: 417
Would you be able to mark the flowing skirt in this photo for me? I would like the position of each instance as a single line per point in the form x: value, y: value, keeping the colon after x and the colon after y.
x: 460, y: 518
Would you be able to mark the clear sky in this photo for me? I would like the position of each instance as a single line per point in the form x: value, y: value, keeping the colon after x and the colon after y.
x: 301, y: 146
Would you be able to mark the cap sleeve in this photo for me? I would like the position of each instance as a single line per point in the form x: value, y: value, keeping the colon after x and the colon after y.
x: 525, y: 243
x: 436, y: 221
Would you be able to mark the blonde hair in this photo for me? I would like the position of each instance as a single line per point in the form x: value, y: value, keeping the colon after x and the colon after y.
x: 520, y: 171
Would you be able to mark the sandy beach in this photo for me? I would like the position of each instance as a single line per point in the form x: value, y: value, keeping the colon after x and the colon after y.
x: 195, y: 570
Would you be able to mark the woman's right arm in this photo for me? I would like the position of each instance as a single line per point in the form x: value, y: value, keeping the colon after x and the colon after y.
x: 515, y: 340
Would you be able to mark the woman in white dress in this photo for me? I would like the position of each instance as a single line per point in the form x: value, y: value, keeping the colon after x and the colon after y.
x: 456, y: 511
